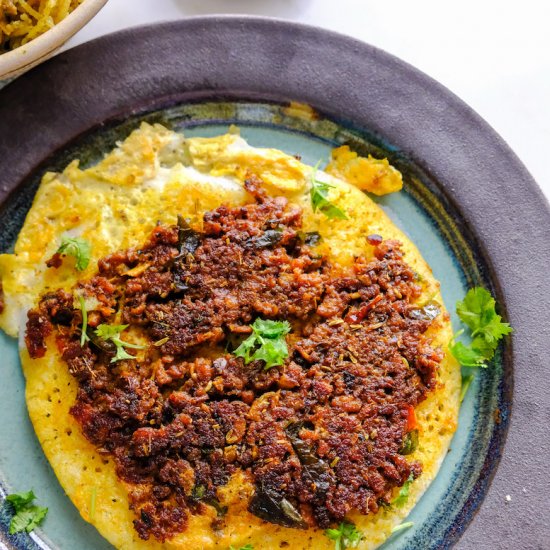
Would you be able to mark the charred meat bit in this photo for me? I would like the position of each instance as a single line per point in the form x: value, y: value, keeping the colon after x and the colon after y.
x: 322, y: 435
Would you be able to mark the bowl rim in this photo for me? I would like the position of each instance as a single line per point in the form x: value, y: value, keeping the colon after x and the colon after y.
x: 498, y: 199
x: 15, y: 61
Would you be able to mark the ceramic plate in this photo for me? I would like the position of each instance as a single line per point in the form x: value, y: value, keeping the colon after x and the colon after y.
x: 469, y: 205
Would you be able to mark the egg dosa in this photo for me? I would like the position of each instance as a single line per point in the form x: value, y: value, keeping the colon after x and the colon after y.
x: 148, y: 179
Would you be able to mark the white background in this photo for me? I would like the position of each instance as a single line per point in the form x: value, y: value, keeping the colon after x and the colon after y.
x: 495, y: 55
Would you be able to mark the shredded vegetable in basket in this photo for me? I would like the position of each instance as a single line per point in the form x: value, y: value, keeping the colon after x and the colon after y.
x: 23, y: 20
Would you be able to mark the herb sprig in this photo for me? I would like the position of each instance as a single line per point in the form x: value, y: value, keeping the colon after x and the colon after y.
x: 81, y: 249
x: 319, y: 198
x: 267, y: 343
x: 112, y: 333
x: 346, y: 535
x: 401, y: 499
x: 27, y: 515
x: 477, y: 311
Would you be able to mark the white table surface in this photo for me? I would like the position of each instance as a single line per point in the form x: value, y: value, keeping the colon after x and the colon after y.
x: 494, y: 54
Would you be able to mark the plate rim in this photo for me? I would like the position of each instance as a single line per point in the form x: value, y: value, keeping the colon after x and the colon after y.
x: 501, y: 231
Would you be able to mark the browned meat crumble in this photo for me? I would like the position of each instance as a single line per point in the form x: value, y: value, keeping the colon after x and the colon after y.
x: 319, y: 436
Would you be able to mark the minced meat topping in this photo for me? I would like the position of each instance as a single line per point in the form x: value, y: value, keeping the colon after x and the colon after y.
x: 318, y: 436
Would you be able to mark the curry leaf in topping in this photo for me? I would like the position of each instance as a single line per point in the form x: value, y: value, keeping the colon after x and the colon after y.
x: 188, y: 239
x: 410, y: 443
x: 402, y: 527
x: 245, y: 547
x: 403, y: 495
x: 198, y: 492
x: 314, y: 467
x: 319, y: 198
x: 310, y: 238
x: 345, y: 536
x: 270, y: 237
x: 77, y: 247
x: 112, y: 333
x: 477, y: 312
x: 27, y: 515
x: 269, y: 505
x: 83, y: 336
x: 220, y: 510
x: 267, y: 343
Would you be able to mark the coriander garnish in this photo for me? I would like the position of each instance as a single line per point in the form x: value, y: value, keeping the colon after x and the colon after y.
x: 319, y: 198
x: 267, y: 343
x: 27, y: 515
x: 344, y: 536
x: 77, y: 247
x: 403, y: 495
x: 112, y: 333
x: 477, y: 312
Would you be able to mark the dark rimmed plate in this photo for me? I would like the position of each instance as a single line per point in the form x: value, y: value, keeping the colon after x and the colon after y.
x: 469, y: 205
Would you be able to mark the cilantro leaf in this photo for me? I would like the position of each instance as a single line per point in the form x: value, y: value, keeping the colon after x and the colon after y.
x: 245, y: 350
x: 477, y: 312
x: 27, y: 515
x: 320, y: 201
x: 27, y: 519
x: 344, y: 536
x: 401, y: 499
x: 475, y: 307
x: 77, y: 247
x: 121, y: 354
x: 270, y: 329
x: 266, y: 343
x: 245, y: 547
x: 20, y: 500
x: 272, y: 351
x: 112, y: 333
x: 467, y: 356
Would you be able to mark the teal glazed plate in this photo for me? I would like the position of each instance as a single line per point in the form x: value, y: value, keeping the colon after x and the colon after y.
x: 468, y: 204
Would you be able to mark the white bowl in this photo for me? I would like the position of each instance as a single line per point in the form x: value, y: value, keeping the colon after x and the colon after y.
x: 17, y: 61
